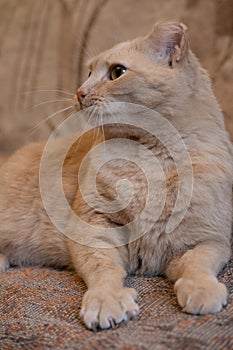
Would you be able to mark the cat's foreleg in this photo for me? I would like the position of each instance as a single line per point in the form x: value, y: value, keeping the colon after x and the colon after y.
x: 4, y: 263
x: 196, y: 286
x: 107, y: 302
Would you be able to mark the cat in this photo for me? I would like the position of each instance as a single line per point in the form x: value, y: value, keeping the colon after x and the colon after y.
x: 2, y: 158
x: 162, y: 74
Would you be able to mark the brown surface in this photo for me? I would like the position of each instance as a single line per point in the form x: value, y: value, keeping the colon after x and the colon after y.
x: 45, y: 44
x: 40, y: 310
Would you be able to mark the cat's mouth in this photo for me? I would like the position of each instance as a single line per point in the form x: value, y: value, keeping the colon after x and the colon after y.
x: 77, y: 105
x: 80, y: 105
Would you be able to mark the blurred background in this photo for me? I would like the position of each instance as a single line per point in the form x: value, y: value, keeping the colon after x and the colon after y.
x: 44, y: 45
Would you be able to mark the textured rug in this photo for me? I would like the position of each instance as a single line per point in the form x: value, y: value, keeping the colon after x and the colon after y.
x: 40, y: 310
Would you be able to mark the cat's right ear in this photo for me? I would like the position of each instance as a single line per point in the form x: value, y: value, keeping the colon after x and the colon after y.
x: 170, y: 42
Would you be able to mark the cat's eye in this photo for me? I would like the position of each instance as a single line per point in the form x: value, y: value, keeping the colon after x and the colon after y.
x: 89, y: 74
x: 116, y: 71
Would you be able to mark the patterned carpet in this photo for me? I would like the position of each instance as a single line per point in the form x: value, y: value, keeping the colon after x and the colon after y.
x: 40, y: 310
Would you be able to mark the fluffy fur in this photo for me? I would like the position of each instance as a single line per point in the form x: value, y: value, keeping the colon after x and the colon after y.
x: 2, y: 158
x: 163, y: 75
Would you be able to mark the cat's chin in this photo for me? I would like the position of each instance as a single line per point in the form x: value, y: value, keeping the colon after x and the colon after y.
x: 106, y: 117
x: 76, y: 108
x: 85, y: 107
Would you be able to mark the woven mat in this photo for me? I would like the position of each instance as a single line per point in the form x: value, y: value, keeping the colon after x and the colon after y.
x: 40, y: 310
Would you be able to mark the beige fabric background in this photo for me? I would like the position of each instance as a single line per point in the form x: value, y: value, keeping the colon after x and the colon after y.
x: 45, y: 43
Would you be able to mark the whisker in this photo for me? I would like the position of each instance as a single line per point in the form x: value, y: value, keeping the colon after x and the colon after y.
x: 102, y: 128
x: 65, y: 117
x: 90, y: 57
x: 98, y: 130
x: 47, y: 119
x: 50, y: 124
x: 50, y: 101
x: 86, y: 48
x: 117, y: 30
x: 77, y: 143
x: 46, y: 90
x: 114, y: 119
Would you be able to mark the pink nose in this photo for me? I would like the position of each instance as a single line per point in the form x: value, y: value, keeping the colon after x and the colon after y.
x: 81, y: 94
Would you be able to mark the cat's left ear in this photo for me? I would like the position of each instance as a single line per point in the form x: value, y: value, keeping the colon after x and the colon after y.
x: 170, y: 41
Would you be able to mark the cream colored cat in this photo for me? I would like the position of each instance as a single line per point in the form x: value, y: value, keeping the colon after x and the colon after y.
x: 2, y: 158
x: 161, y: 73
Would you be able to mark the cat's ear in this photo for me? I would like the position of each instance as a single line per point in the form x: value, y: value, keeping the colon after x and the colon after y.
x: 170, y: 41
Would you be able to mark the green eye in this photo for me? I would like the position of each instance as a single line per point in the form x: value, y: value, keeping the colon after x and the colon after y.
x: 116, y: 71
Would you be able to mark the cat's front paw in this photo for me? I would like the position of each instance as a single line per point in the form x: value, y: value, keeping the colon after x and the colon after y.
x: 105, y: 308
x: 201, y: 296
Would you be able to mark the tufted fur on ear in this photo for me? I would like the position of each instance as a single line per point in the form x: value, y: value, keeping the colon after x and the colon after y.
x: 170, y: 40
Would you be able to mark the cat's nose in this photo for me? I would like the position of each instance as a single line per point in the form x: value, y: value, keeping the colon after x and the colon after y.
x: 81, y: 94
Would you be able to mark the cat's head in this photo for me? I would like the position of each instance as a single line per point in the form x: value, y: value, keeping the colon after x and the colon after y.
x: 152, y: 71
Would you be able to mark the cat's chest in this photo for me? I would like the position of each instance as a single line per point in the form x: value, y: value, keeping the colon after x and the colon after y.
x: 139, y: 193
x: 149, y: 254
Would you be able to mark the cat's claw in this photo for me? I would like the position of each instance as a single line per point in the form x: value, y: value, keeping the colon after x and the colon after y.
x: 94, y: 326
x: 113, y: 325
x: 106, y: 309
